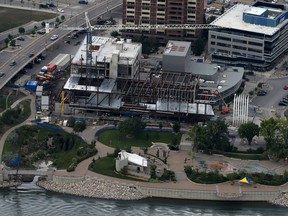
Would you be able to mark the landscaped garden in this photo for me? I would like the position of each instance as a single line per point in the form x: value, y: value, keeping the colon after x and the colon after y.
x: 12, y: 117
x: 116, y: 139
x: 35, y: 143
x: 216, y: 177
x: 6, y: 101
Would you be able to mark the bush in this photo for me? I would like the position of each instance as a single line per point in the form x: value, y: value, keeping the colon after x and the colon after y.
x: 203, y: 177
x: 168, y: 175
x: 71, y: 168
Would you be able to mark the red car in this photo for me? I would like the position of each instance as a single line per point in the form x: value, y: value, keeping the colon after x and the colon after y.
x: 285, y: 87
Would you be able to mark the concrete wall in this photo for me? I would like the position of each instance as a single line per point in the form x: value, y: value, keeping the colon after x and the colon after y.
x: 207, y: 195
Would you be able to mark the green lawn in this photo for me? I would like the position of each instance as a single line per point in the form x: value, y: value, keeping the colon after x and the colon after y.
x: 11, y: 17
x: 145, y: 139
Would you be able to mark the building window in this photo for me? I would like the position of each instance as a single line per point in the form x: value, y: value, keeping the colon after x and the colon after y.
x: 223, y: 38
x: 255, y: 43
x: 240, y: 41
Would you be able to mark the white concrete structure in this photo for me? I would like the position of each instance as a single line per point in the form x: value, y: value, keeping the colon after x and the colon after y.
x: 240, y: 109
x: 133, y: 158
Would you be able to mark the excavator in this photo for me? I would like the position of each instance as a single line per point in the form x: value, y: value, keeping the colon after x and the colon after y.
x: 226, y: 109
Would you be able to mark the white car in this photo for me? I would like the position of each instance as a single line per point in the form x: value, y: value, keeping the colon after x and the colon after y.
x: 54, y: 37
x: 60, y: 10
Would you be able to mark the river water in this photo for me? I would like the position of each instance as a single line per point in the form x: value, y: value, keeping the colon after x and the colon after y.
x: 29, y: 200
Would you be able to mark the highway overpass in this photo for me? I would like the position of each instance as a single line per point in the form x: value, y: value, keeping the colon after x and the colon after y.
x: 41, y: 43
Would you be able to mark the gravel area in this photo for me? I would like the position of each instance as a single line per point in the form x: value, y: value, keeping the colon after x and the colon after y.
x: 94, y: 188
x: 281, y: 200
x: 6, y: 184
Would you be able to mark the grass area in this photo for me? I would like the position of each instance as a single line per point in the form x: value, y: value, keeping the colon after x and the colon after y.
x: 145, y: 139
x: 106, y: 166
x: 36, y: 140
x: 18, y: 17
x: 14, y: 96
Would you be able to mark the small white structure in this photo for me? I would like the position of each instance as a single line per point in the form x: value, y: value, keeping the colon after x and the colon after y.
x: 124, y: 158
x: 240, y: 109
x: 39, y: 90
x: 44, y: 103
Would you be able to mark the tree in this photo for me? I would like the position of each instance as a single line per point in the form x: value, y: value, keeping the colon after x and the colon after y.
x: 10, y: 37
x: 62, y: 17
x: 160, y: 126
x: 176, y: 127
x: 7, y: 40
x: 12, y: 43
x: 199, y: 46
x: 211, y: 137
x: 115, y: 34
x: 222, y: 10
x: 248, y: 131
x: 35, y: 27
x: 21, y: 30
x: 71, y: 121
x: 57, y: 20
x: 132, y: 126
x: 210, y: 19
x: 43, y: 24
x: 267, y: 130
x: 79, y: 126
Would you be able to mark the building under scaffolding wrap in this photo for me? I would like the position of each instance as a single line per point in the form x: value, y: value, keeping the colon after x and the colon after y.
x: 113, y: 82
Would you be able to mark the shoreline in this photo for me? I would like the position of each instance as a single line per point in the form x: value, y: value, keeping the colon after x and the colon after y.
x: 6, y: 184
x: 94, y: 188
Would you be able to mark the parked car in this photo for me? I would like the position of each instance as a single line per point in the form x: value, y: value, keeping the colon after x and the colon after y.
x: 261, y: 93
x: 20, y: 38
x: 54, y: 37
x: 285, y: 87
x: 31, y: 55
x: 283, y: 103
x: 60, y: 10
x: 83, y: 2
x: 42, y: 31
x: 2, y: 74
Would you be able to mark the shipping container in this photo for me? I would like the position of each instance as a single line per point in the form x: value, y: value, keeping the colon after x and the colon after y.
x: 51, y: 67
x: 31, y: 85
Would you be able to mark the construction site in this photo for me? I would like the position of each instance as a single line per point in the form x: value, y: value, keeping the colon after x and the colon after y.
x: 118, y: 85
x: 108, y: 77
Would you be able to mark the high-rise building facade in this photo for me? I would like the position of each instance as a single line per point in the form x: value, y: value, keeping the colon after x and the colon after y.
x: 163, y: 12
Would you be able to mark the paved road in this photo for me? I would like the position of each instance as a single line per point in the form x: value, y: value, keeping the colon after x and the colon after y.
x: 274, y: 95
x: 42, y: 42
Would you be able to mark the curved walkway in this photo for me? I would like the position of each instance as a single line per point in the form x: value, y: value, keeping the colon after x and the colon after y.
x: 176, y: 163
x: 27, y: 121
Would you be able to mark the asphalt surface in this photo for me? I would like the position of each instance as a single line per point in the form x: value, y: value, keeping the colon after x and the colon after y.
x: 274, y: 94
x: 42, y: 42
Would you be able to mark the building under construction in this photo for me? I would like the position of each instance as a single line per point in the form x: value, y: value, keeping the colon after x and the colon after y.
x: 114, y: 82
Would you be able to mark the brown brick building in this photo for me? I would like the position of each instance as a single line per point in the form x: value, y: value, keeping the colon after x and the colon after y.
x: 164, y: 12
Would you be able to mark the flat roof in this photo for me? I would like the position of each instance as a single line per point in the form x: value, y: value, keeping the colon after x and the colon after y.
x: 256, y: 11
x: 225, y: 79
x: 177, y: 48
x: 233, y: 19
x: 73, y: 84
x: 103, y: 49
